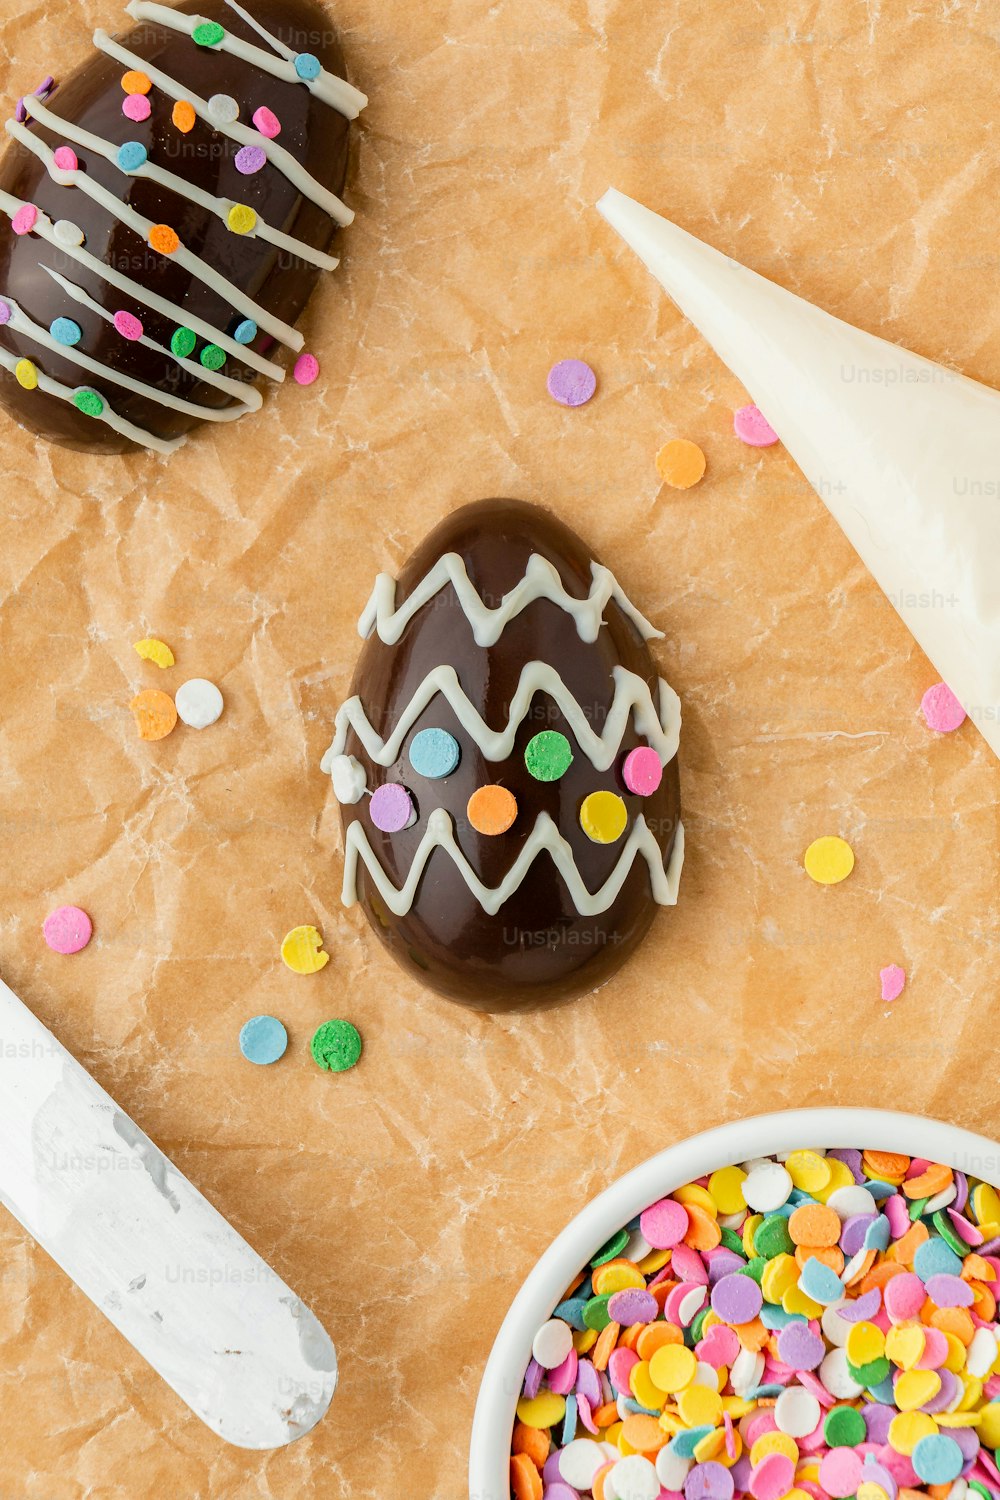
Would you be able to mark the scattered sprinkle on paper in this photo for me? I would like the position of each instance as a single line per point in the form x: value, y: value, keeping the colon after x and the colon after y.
x: 155, y: 714
x: 893, y: 979
x: 752, y: 427
x: 680, y: 463
x: 571, y: 382
x: 302, y: 950
x: 68, y: 929
x: 941, y: 709
x: 829, y: 860
x: 150, y: 649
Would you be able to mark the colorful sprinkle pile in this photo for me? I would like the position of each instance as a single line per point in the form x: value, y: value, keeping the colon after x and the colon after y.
x: 815, y: 1326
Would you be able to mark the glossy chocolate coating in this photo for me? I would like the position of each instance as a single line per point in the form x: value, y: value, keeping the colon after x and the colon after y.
x: 537, y: 948
x: 92, y: 97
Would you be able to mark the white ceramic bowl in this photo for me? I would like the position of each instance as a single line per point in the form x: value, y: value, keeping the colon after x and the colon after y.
x: 879, y: 1129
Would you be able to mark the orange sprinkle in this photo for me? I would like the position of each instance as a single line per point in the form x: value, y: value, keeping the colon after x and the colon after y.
x: 954, y: 1320
x: 644, y: 1434
x: 815, y: 1225
x: 630, y: 1337
x: 183, y: 116
x: 862, y: 1272
x: 525, y: 1480
x: 680, y: 463
x: 598, y: 1487
x: 654, y: 1336
x: 164, y: 239
x: 605, y: 1346
x: 154, y: 712
x: 985, y: 1304
x: 661, y: 1291
x: 137, y: 82
x: 886, y: 1164
x: 492, y: 809
x: 534, y: 1441
x: 975, y: 1268
x: 606, y: 1414
x: 827, y: 1255
x: 577, y: 1281
x: 752, y: 1335
x: 703, y: 1231
x: 934, y: 1180
x: 905, y: 1249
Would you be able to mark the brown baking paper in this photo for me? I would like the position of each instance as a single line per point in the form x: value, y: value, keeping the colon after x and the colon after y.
x: 847, y: 152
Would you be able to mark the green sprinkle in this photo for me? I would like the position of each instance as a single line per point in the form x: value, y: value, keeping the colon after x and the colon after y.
x: 615, y: 1245
x: 212, y: 357
x: 89, y: 402
x: 871, y: 1374
x: 336, y: 1046
x: 754, y: 1268
x: 182, y: 342
x: 548, y: 755
x: 595, y: 1312
x: 916, y: 1208
x: 698, y: 1324
x: 945, y: 1229
x: 772, y: 1237
x: 732, y: 1241
x: 208, y: 34
x: 844, y: 1427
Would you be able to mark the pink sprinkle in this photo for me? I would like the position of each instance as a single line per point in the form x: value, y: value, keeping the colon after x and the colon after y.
x: 306, y: 369
x: 129, y: 326
x: 642, y: 771
x: 267, y: 122
x: 664, y: 1224
x: 65, y: 158
x: 840, y: 1472
x: 136, y: 107
x: 585, y: 1413
x: 67, y: 929
x: 899, y: 1219
x: 893, y: 978
x: 25, y: 219
x: 941, y: 709
x: 563, y: 1378
x: 772, y: 1477
x: 620, y: 1366
x: 753, y: 428
x: 904, y: 1296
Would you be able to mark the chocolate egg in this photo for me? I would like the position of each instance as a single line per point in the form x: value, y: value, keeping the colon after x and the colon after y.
x: 164, y: 215
x: 507, y: 694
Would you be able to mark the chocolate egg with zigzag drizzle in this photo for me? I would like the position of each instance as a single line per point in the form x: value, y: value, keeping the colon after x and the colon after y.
x: 507, y: 764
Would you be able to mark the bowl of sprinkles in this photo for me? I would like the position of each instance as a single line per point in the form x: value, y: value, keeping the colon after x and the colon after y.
x: 752, y: 1314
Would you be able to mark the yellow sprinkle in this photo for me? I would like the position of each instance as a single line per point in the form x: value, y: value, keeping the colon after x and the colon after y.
x: 955, y: 1360
x: 672, y: 1368
x: 904, y: 1346
x: 829, y: 860
x: 653, y: 1262
x: 242, y: 219
x: 986, y: 1204
x: 796, y: 1301
x: 726, y: 1188
x: 780, y: 1275
x: 866, y: 1343
x: 698, y: 1406
x: 584, y: 1340
x: 154, y: 650
x: 712, y: 1445
x: 962, y: 1418
x: 543, y: 1410
x: 840, y: 1176
x: 915, y: 1388
x: 643, y: 1389
x: 616, y: 1278
x: 807, y: 1169
x: 774, y: 1442
x: 906, y: 1430
x: 692, y: 1193
x: 869, y: 1490
x: 989, y: 1425
x: 603, y: 817
x: 25, y: 374
x: 302, y: 951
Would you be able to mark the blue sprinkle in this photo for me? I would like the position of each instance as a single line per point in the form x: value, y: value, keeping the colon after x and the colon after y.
x: 247, y: 332
x: 132, y: 156
x: 936, y: 1258
x: 819, y: 1282
x: 307, y: 66
x: 569, y: 1421
x: 884, y: 1393
x: 263, y: 1039
x: 65, y: 331
x: 937, y: 1459
x: 775, y: 1317
x: 877, y: 1234
x: 634, y: 1407
x: 434, y: 753
x: 571, y: 1312
x: 684, y: 1444
x: 881, y: 1189
x: 764, y: 1390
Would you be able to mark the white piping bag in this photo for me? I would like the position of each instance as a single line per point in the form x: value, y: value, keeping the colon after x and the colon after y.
x: 904, y: 453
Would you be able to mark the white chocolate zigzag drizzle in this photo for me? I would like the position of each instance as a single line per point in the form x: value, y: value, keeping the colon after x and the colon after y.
x: 632, y: 699
x: 541, y: 581
x: 177, y: 184
x: 334, y: 91
x: 545, y: 836
x: 276, y: 155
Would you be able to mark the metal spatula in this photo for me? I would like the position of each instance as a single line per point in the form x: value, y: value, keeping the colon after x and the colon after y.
x: 159, y: 1261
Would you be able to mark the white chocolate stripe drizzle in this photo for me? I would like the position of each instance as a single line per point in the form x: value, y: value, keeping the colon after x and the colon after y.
x: 193, y: 264
x: 632, y: 699
x: 177, y: 184
x: 276, y: 155
x: 544, y: 837
x: 334, y: 91
x: 45, y: 230
x: 541, y: 581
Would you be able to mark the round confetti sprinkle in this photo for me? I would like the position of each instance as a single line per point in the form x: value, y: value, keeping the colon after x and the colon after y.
x: 336, y: 1046
x: 131, y: 156
x: 829, y: 860
x: 753, y: 428
x: 89, y: 402
x: 25, y: 219
x: 199, y: 703
x: 68, y: 233
x: 154, y: 713
x: 603, y: 817
x: 307, y: 66
x: 65, y: 158
x: 736, y: 1298
x: 267, y: 122
x: 552, y: 1343
x: 548, y: 755
x: 212, y: 357
x: 434, y: 753
x: 208, y: 34
x: 184, y: 116
x: 680, y: 463
x: 182, y: 342
x: 128, y: 325
x: 65, y: 331
x: 250, y: 159
x: 306, y: 369
x: 246, y: 332
x: 136, y: 82
x: 391, y: 808
x: 164, y: 240
x: 136, y: 107
x: 223, y: 109
x: 642, y: 771
x: 302, y: 950
x: 492, y: 810
x: 893, y: 979
x: 571, y: 382
x: 844, y: 1427
x: 26, y: 375
x: 4, y: 312
x: 241, y: 219
x: 263, y: 1040
x: 941, y: 709
x: 68, y: 929
x: 664, y: 1224
x: 938, y: 1459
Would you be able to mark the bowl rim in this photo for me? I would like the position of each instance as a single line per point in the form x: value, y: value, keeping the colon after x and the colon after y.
x: 828, y: 1126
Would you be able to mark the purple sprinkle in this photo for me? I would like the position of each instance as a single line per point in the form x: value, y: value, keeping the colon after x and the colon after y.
x: 571, y: 382
x: 949, y: 1291
x: 961, y: 1192
x: 990, y: 1248
x: 709, y: 1481
x: 560, y: 1491
x: 863, y: 1308
x: 551, y: 1473
x: 392, y: 808
x: 588, y: 1383
x: 250, y: 159
x: 533, y: 1378
x: 799, y: 1347
x: 736, y: 1299
x: 5, y: 313
x: 741, y: 1471
x: 852, y: 1237
x: 722, y: 1262
x: 968, y: 1440
x: 852, y: 1159
x: 633, y: 1305
x: 878, y: 1419
x: 949, y: 1390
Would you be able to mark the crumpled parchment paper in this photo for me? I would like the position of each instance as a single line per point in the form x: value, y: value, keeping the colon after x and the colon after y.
x: 846, y: 152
